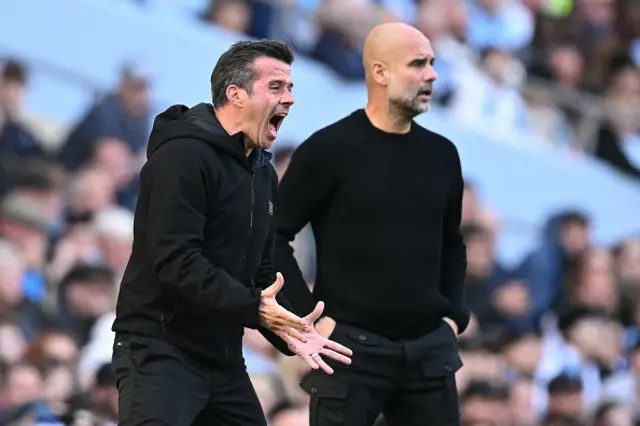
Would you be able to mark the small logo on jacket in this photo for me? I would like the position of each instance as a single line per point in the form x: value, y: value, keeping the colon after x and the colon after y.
x: 270, y: 208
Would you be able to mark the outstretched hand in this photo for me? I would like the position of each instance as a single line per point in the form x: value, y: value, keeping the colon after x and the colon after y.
x: 316, y: 345
x: 275, y: 317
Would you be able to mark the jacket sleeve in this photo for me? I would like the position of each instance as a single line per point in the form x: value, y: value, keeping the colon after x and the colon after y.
x: 267, y: 275
x: 454, y: 254
x: 179, y: 186
x: 306, y: 185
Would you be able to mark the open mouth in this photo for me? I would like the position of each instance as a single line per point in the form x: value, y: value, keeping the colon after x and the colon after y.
x: 274, y: 124
x: 425, y: 93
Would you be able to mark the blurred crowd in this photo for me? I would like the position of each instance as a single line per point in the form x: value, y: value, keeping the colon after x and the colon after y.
x: 553, y: 341
x: 567, y: 71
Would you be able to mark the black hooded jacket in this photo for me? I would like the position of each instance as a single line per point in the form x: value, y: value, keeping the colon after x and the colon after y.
x: 203, y: 238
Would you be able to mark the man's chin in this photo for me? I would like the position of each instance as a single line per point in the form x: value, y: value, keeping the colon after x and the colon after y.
x: 267, y: 143
x: 414, y: 112
x: 422, y: 108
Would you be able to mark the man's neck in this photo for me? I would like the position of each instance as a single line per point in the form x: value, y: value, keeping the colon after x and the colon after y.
x: 232, y: 124
x: 387, y: 120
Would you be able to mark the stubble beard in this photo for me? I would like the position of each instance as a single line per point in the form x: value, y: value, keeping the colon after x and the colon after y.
x: 410, y: 107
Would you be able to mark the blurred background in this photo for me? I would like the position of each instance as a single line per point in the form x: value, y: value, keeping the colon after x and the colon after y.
x: 542, y: 98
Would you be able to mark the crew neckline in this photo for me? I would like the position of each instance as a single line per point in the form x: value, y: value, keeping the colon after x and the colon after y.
x: 363, y: 116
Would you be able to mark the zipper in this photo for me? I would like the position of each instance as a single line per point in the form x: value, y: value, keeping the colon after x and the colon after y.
x: 253, y: 201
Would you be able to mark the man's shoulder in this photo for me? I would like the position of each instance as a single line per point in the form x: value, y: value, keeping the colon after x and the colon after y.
x: 331, y: 135
x: 423, y: 132
x: 185, y: 149
x: 434, y: 139
x: 183, y: 156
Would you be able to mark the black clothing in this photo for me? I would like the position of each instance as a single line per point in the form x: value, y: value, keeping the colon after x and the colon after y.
x: 158, y: 384
x: 385, y: 211
x: 5, y: 175
x: 608, y: 149
x: 17, y: 140
x: 203, y: 238
x: 412, y: 383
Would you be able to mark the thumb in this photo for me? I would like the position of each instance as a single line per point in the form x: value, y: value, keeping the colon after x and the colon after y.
x: 274, y: 288
x: 313, y: 316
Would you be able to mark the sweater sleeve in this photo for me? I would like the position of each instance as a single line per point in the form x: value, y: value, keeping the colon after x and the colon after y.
x: 306, y: 185
x: 454, y: 255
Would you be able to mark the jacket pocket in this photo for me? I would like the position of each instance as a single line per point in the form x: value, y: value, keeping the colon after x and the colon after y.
x: 130, y: 353
x: 318, y: 384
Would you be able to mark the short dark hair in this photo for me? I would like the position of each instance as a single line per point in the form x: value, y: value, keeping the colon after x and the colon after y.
x: 14, y: 71
x: 564, y: 384
x: 487, y: 390
x: 571, y: 217
x: 234, y: 66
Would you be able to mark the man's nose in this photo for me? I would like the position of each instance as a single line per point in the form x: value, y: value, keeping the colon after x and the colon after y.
x: 287, y: 99
x: 431, y: 75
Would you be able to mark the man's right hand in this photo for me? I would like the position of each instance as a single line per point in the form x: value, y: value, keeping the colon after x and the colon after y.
x: 316, y: 345
x: 275, y: 317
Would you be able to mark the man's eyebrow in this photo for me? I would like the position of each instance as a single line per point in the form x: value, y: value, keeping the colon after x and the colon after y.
x: 423, y: 60
x: 282, y: 82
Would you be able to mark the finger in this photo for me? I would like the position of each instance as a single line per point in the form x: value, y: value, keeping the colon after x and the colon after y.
x: 330, y: 344
x: 289, y: 319
x: 313, y: 316
x: 293, y: 343
x: 269, y: 291
x: 306, y: 358
x: 277, y: 285
x: 274, y: 288
x: 336, y: 356
x: 284, y: 336
x: 296, y: 335
x: 285, y: 325
x: 280, y: 326
x: 323, y: 365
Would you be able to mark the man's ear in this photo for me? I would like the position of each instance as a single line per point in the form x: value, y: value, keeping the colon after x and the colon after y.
x: 235, y: 95
x: 380, y: 73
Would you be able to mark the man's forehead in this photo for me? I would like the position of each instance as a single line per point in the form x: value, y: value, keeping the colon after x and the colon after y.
x: 418, y: 49
x: 266, y: 67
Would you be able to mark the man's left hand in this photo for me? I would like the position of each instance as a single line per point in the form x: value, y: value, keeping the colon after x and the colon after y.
x: 317, y: 345
x: 452, y: 324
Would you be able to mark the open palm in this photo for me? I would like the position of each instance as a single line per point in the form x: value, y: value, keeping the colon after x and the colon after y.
x: 316, y: 345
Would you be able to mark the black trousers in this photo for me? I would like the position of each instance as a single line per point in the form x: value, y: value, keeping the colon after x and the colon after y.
x: 411, y: 383
x: 159, y: 384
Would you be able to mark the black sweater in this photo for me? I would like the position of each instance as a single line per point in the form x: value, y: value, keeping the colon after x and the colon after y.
x: 385, y: 211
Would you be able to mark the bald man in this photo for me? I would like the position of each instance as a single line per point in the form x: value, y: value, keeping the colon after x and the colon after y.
x: 384, y: 198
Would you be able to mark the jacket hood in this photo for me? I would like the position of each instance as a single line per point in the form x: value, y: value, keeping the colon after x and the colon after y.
x: 200, y: 123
